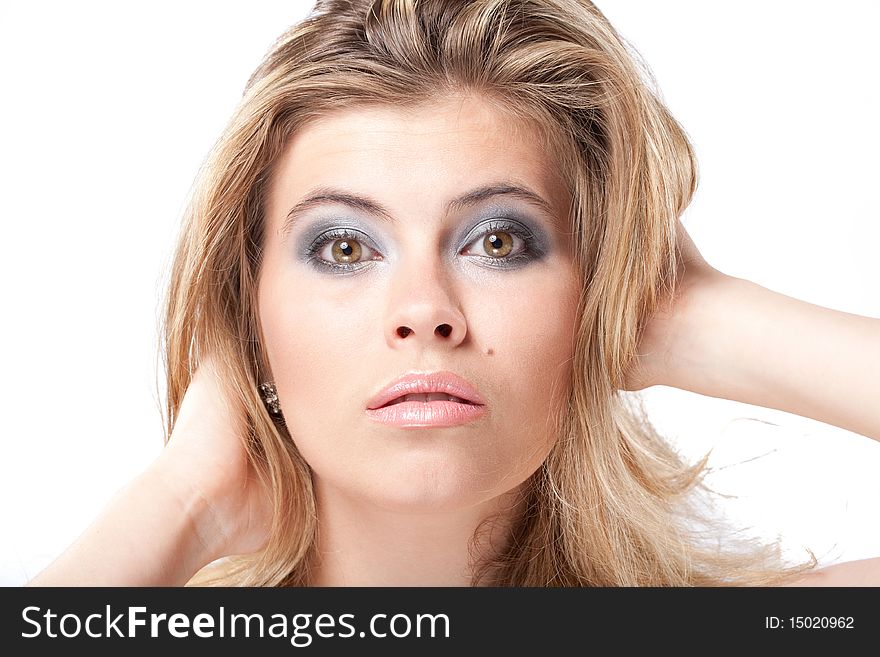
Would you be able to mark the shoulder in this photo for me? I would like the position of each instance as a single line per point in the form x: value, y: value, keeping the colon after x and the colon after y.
x: 864, y: 572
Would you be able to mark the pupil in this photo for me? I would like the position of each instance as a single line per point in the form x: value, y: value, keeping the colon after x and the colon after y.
x: 496, y: 243
x: 346, y: 248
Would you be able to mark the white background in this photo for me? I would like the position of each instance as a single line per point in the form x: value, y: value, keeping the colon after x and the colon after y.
x: 108, y: 109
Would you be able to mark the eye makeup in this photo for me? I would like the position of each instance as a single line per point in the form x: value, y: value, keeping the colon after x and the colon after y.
x: 531, y: 247
x: 528, y: 244
x: 316, y: 233
x: 313, y: 250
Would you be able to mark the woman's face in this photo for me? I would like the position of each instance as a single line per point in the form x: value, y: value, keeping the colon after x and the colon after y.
x: 419, y: 242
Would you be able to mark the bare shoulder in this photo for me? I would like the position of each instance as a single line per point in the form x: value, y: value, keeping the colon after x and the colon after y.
x: 864, y: 572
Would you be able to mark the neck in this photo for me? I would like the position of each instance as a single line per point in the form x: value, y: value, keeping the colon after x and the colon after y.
x: 360, y: 544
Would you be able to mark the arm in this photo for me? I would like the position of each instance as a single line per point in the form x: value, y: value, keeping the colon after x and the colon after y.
x: 730, y: 338
x: 200, y: 500
x: 146, y: 536
x: 750, y: 344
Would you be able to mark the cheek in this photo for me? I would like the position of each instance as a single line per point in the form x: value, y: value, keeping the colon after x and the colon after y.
x: 542, y: 349
x: 537, y: 332
x: 314, y: 344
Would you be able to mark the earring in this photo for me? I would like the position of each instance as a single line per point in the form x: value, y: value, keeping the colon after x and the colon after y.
x: 270, y: 398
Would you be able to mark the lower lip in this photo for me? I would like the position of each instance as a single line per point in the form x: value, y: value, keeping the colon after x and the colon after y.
x: 426, y: 414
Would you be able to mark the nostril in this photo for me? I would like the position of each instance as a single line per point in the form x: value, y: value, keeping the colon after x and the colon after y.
x: 444, y: 330
x: 404, y: 331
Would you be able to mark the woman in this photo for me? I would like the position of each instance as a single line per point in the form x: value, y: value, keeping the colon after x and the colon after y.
x: 476, y: 200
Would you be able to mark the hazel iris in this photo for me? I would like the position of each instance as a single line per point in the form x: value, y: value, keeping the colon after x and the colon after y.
x: 498, y: 243
x: 346, y: 251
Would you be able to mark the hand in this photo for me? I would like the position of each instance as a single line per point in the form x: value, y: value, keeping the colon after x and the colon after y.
x: 207, y: 453
x: 669, y: 341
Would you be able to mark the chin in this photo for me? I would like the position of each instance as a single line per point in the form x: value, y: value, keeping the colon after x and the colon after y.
x: 427, y: 494
x: 443, y: 489
x: 425, y: 502
x: 424, y: 478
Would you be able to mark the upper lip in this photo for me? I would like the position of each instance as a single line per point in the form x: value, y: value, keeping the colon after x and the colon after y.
x: 415, y: 383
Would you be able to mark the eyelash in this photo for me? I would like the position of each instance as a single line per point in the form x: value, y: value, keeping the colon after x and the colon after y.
x: 527, y: 253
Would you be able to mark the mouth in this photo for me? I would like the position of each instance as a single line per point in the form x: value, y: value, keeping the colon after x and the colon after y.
x: 427, y: 388
x: 432, y: 399
x: 426, y: 397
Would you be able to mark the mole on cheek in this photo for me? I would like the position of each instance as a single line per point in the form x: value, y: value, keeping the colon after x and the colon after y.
x: 490, y: 351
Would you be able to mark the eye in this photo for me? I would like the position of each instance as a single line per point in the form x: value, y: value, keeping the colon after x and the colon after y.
x: 341, y: 249
x: 501, y: 241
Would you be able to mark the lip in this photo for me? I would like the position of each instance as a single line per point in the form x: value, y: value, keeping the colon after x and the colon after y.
x: 427, y: 414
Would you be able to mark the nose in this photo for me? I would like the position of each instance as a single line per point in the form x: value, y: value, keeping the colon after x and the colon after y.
x: 424, y: 311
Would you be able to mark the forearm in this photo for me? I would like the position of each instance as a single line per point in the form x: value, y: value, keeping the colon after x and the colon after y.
x: 148, y: 535
x: 753, y: 345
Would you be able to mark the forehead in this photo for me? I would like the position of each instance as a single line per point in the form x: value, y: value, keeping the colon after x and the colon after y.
x: 416, y: 158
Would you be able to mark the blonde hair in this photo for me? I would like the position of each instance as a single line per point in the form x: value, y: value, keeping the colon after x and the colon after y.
x: 613, y: 504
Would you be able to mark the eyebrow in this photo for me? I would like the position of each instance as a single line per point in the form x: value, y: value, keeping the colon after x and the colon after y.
x: 327, y: 195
